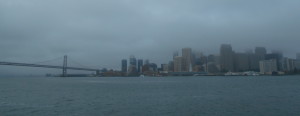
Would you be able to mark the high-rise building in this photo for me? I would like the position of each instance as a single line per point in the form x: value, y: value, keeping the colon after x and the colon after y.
x: 178, y: 64
x: 268, y: 66
x: 132, y: 69
x: 241, y: 62
x: 226, y: 58
x: 140, y: 65
x: 132, y: 60
x: 187, y: 59
x: 260, y: 53
x: 124, y: 65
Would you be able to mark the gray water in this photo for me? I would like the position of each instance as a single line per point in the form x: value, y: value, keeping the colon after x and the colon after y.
x: 167, y: 96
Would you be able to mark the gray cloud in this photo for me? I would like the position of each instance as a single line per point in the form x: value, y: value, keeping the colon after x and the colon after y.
x: 101, y: 33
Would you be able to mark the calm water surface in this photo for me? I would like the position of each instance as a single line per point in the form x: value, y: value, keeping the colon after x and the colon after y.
x: 168, y: 96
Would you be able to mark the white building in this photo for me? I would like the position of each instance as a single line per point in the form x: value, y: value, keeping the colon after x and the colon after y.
x: 288, y: 64
x: 268, y: 66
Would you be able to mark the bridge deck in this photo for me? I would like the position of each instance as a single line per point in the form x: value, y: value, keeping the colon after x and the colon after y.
x: 45, y: 66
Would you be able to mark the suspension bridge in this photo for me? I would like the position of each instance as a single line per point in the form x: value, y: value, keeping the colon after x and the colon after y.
x: 64, y: 67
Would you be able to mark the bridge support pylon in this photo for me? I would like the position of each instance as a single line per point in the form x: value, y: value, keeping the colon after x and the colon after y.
x: 65, y: 63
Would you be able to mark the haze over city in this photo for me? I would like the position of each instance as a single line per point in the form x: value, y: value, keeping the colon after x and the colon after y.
x: 101, y: 33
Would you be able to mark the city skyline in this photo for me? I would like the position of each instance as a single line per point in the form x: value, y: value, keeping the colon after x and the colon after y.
x: 99, y: 33
x: 228, y: 60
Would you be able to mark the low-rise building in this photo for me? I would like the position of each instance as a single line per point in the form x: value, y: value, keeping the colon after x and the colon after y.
x: 268, y: 66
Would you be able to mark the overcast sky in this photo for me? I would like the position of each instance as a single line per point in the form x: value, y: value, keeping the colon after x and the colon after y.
x: 100, y: 33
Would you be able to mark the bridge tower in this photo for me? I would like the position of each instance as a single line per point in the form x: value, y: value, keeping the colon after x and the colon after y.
x: 65, y: 66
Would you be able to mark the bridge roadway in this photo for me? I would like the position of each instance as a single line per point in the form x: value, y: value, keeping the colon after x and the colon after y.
x: 46, y: 66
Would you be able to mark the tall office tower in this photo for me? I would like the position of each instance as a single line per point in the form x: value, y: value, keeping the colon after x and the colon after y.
x: 226, y: 58
x: 132, y: 60
x: 298, y: 56
x: 260, y: 53
x: 241, y: 62
x: 132, y: 65
x: 124, y: 65
x: 187, y: 59
x: 178, y: 64
x: 140, y: 65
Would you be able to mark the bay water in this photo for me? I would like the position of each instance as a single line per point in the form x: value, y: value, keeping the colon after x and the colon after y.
x: 150, y: 96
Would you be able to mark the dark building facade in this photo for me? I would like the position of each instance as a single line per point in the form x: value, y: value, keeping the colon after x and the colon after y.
x: 260, y: 54
x: 124, y: 65
x: 241, y: 62
x: 226, y: 58
x: 140, y: 65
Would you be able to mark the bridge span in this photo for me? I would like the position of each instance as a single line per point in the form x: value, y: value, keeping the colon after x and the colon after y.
x: 64, y: 67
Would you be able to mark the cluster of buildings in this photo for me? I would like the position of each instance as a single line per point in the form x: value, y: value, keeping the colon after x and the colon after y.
x: 196, y: 63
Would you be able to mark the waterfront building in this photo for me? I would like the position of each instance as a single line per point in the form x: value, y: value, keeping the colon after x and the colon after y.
x: 165, y: 67
x: 297, y: 64
x: 178, y: 64
x: 186, y: 59
x: 260, y: 53
x: 268, y: 66
x: 151, y: 67
x: 140, y: 65
x: 124, y: 65
x: 212, y: 68
x: 226, y: 58
x: 288, y: 64
x: 277, y: 57
x: 171, y: 66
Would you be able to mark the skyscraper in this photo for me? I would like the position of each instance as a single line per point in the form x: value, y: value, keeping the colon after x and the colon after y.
x: 187, y: 59
x: 140, y: 65
x: 226, y: 58
x: 124, y: 65
x: 132, y: 65
x: 261, y: 51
